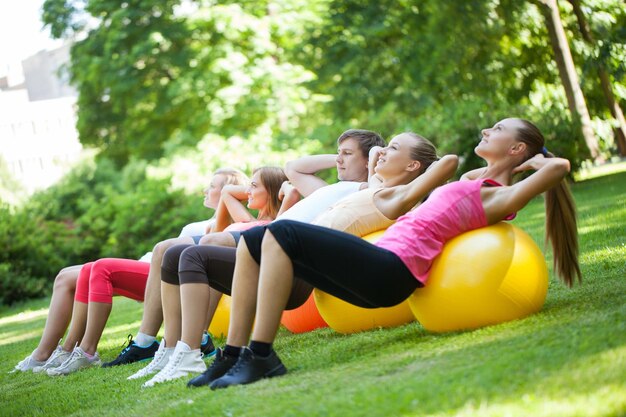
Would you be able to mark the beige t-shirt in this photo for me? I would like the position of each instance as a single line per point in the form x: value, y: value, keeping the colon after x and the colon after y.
x: 355, y: 214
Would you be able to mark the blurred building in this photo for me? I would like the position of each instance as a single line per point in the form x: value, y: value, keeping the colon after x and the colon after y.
x: 38, y: 137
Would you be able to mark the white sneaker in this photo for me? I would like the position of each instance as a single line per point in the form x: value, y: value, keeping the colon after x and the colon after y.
x: 27, y: 364
x: 77, y: 360
x: 183, y: 362
x: 54, y: 361
x: 161, y: 357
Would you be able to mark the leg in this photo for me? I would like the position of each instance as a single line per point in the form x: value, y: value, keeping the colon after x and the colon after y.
x: 214, y: 299
x: 170, y: 293
x: 59, y: 313
x: 199, y: 267
x: 224, y: 239
x: 195, y: 303
x: 275, y: 282
x: 152, y: 309
x: 79, y: 312
x: 244, y: 297
x: 111, y: 276
x: 310, y: 252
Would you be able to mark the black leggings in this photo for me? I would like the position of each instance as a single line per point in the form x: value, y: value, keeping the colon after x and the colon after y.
x: 338, y: 263
x: 214, y: 266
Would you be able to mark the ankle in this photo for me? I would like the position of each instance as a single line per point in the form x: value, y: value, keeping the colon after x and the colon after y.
x: 144, y: 340
x: 40, y: 356
x: 232, y: 351
x: 262, y: 349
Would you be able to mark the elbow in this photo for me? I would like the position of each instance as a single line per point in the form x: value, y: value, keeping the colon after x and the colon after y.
x: 452, y: 163
x: 290, y: 170
x: 563, y: 165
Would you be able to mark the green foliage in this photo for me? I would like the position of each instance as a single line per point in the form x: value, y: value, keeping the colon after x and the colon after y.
x: 30, y: 251
x: 96, y: 211
x: 153, y: 71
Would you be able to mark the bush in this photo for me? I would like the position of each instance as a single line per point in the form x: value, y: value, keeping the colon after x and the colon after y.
x: 95, y: 212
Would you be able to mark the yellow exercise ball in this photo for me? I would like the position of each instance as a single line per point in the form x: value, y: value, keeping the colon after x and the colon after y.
x: 221, y: 318
x: 344, y: 317
x: 482, y: 277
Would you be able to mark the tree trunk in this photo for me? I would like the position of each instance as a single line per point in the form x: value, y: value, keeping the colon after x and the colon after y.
x: 567, y: 72
x: 619, y: 131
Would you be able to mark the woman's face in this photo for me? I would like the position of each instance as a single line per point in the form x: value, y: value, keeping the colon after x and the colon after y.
x: 213, y: 192
x: 257, y: 194
x: 499, y: 140
x: 396, y: 157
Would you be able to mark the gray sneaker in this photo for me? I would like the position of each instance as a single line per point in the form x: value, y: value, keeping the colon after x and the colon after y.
x: 76, y: 361
x: 54, y: 361
x: 27, y: 364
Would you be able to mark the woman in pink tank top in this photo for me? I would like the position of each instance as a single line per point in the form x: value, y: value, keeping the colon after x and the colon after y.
x: 385, y: 273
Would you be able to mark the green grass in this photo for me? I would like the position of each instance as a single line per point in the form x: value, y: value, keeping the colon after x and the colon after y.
x: 568, y: 360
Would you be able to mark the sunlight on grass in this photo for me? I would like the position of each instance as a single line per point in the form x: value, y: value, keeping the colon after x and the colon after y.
x: 122, y: 328
x: 600, y: 171
x: 600, y: 402
x: 24, y: 316
x: 17, y: 336
x: 606, y: 253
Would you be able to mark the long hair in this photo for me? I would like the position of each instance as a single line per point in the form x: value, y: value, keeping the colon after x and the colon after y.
x: 424, y: 152
x: 272, y: 179
x: 561, y: 228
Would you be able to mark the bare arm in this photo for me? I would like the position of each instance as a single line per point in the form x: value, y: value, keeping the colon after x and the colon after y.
x: 374, y: 181
x: 473, y: 174
x: 222, y: 218
x: 501, y: 201
x: 289, y: 196
x: 232, y: 197
x: 301, y: 172
x: 395, y: 201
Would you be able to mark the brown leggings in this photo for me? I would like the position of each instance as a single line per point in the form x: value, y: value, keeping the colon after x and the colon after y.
x: 214, y: 266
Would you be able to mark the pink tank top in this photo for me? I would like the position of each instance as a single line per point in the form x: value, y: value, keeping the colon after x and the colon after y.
x: 417, y: 238
x: 241, y: 226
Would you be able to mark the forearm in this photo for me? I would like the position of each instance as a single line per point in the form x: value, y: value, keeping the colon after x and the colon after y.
x: 301, y: 172
x: 290, y: 198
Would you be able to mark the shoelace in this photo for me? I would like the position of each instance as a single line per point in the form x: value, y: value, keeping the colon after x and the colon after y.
x: 158, y: 356
x: 55, y: 354
x: 74, y: 356
x: 128, y: 344
x: 241, y: 362
x: 172, y: 365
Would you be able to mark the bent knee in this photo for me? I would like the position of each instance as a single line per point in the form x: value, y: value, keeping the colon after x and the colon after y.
x: 218, y: 239
x: 66, y: 279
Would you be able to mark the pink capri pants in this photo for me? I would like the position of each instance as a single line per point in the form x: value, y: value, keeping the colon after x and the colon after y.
x: 99, y: 281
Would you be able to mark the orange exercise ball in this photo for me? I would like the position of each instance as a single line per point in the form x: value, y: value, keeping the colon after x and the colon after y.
x: 221, y: 318
x: 344, y: 317
x: 482, y: 277
x: 304, y: 318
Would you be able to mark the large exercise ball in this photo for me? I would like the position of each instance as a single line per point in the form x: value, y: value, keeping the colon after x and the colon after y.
x: 221, y: 318
x: 344, y: 317
x: 304, y: 318
x: 482, y: 277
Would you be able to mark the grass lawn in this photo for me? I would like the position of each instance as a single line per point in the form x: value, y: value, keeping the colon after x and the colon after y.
x: 568, y: 360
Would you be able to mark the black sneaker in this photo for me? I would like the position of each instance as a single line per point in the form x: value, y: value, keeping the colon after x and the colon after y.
x: 208, y: 348
x: 218, y: 368
x: 133, y: 353
x: 251, y: 368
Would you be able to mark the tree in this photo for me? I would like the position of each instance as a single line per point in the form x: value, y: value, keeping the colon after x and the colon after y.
x: 607, y: 89
x: 152, y: 74
x: 567, y: 72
